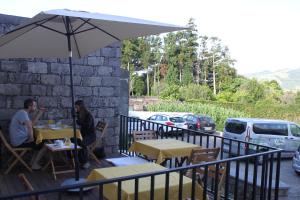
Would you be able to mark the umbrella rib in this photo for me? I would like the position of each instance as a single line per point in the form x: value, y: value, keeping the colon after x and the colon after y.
x: 101, y: 29
x: 33, y: 23
x: 80, y: 26
x: 51, y: 29
x: 88, y: 29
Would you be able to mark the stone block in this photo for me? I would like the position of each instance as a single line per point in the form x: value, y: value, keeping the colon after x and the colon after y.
x: 10, y: 89
x: 78, y: 61
x: 83, y: 91
x: 3, y: 77
x: 114, y: 62
x: 10, y: 66
x: 49, y: 60
x: 49, y: 90
x: 105, y: 112
x: 107, y: 52
x: 94, y: 102
x: 39, y: 90
x: 56, y: 114
x: 66, y: 102
x: 83, y: 70
x: 103, y: 71
x: 2, y: 101
x: 110, y: 81
x: 48, y: 102
x: 61, y: 90
x: 76, y: 80
x: 116, y: 72
x: 111, y: 101
x: 26, y: 78
x: 95, y: 60
x: 26, y: 89
x: 92, y: 81
x: 37, y: 67
x: 60, y: 68
x: 7, y: 114
x: 103, y: 91
x: 50, y: 79
x: 17, y: 102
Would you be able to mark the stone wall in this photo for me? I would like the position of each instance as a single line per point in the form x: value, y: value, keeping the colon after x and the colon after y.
x: 96, y: 81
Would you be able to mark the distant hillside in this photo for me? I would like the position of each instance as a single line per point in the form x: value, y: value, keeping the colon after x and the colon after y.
x: 289, y: 79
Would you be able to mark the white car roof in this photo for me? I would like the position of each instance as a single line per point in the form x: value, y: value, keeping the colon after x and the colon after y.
x: 259, y: 120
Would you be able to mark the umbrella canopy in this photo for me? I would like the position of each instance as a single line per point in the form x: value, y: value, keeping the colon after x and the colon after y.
x: 66, y: 33
x: 44, y: 35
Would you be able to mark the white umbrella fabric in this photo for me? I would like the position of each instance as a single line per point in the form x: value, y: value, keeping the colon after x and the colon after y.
x: 67, y: 33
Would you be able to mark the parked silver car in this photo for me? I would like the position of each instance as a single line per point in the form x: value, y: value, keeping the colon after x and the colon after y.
x: 174, y: 121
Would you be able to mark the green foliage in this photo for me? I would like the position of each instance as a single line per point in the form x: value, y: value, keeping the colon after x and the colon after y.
x: 194, y: 91
x: 139, y: 87
x: 170, y: 92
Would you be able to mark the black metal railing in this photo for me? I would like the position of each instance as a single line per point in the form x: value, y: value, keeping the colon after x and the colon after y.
x: 244, y: 178
x: 260, y: 164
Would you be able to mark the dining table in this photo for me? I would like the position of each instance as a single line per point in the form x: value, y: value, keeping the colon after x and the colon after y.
x: 162, y: 149
x: 110, y: 190
x: 55, y: 132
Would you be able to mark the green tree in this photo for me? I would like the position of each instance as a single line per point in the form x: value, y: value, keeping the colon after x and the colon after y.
x: 138, y: 85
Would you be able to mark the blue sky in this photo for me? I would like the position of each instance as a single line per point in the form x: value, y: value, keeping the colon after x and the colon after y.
x: 261, y: 34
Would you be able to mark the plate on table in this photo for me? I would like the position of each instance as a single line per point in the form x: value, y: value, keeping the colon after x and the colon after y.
x: 55, y: 128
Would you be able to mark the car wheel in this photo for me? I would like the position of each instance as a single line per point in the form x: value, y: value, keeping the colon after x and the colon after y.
x: 298, y: 173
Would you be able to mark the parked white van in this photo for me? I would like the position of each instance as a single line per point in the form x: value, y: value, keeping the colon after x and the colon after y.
x: 273, y: 133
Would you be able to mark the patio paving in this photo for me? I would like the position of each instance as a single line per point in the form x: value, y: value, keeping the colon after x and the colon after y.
x: 41, y: 180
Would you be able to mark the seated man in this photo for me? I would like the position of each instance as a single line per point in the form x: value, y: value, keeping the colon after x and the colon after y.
x: 21, y: 131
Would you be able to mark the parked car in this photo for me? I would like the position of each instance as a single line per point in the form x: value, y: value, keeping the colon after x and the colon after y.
x: 174, y: 121
x: 201, y: 123
x: 272, y: 133
x: 296, y: 161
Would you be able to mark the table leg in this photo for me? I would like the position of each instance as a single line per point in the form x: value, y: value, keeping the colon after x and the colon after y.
x: 72, y: 158
x: 52, y: 165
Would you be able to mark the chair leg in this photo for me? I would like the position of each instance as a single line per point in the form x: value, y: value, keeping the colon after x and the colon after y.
x: 18, y: 158
x: 95, y: 158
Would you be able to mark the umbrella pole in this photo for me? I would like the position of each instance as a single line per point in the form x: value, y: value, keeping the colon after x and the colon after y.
x: 77, y: 180
x: 72, y: 95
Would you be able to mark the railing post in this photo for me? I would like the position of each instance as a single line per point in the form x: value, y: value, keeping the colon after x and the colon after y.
x: 277, y: 175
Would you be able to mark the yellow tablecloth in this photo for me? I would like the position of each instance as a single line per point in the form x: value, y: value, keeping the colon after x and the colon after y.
x: 49, y: 134
x: 163, y: 148
x: 111, y: 190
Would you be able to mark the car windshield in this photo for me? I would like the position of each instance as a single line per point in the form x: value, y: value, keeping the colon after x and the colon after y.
x: 177, y: 119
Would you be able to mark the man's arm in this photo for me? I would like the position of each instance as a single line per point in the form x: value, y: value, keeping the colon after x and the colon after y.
x: 28, y: 125
x: 37, y: 117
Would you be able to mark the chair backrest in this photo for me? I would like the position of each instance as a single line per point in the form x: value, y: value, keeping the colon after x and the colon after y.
x: 101, y: 127
x: 203, y: 155
x: 144, y: 135
x: 4, y: 141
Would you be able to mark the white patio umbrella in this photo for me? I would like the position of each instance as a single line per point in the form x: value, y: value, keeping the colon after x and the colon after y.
x: 67, y: 33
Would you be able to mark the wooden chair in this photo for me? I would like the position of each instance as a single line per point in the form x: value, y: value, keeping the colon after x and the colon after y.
x: 101, y: 129
x: 144, y: 135
x: 17, y: 154
x: 199, y: 156
x: 29, y: 187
